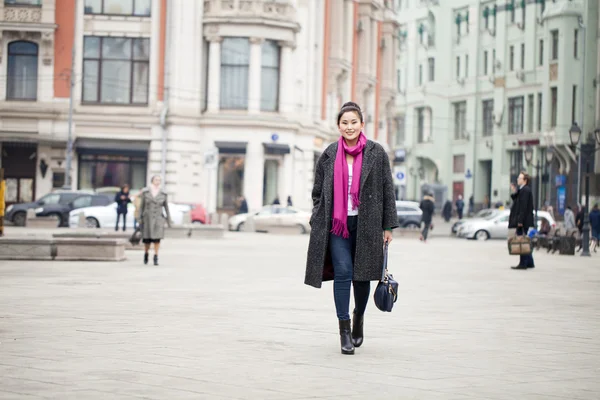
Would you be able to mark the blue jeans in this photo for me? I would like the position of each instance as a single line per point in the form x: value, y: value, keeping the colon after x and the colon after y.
x: 528, y: 259
x: 342, y: 255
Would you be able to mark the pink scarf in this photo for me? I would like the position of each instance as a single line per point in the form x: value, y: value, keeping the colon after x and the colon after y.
x: 340, y: 184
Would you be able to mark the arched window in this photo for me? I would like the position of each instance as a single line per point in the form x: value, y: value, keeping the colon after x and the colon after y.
x: 22, y: 71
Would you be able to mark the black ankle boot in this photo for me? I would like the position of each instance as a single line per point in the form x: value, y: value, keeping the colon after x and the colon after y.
x: 357, y: 329
x: 345, y: 337
x: 155, y: 259
x: 145, y: 258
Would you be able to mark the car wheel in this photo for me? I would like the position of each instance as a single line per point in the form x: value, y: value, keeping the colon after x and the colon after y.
x: 197, y: 222
x: 91, y: 222
x: 482, y: 235
x: 58, y: 217
x: 240, y: 226
x: 19, y: 218
x: 412, y: 225
x: 301, y: 229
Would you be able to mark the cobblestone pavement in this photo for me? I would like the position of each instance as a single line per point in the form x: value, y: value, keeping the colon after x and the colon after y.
x: 232, y: 319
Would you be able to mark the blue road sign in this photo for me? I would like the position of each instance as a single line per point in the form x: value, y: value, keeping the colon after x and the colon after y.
x: 274, y: 137
x: 468, y: 175
x: 400, y: 176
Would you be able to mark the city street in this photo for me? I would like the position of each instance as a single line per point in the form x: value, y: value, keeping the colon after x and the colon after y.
x: 232, y: 319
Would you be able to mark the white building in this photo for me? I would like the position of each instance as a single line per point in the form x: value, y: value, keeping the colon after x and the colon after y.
x: 481, y: 80
x: 221, y: 97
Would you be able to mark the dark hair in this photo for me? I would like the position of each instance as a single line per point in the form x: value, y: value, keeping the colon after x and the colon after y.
x: 526, y: 177
x: 350, y: 106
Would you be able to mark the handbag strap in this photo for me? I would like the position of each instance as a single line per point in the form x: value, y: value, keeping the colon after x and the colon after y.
x: 385, y: 259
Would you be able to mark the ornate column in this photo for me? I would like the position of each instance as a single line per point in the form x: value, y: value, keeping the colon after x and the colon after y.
x: 286, y: 84
x: 214, y: 74
x: 254, y: 84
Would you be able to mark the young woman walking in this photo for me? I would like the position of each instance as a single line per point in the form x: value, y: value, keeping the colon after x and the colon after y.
x: 354, y: 212
x: 152, y: 202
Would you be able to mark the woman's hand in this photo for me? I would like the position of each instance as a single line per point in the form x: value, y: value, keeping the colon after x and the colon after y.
x: 387, y: 237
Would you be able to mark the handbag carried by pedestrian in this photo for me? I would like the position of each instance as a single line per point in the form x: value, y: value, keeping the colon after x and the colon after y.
x: 386, y: 292
x: 519, y: 245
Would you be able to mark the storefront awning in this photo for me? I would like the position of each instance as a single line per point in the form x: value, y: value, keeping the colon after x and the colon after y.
x: 276, y: 148
x: 231, y: 147
x: 111, y: 146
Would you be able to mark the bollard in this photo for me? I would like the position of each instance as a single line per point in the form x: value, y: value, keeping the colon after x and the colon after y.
x: 224, y: 220
x: 214, y: 218
x: 187, y: 218
x: 81, y: 220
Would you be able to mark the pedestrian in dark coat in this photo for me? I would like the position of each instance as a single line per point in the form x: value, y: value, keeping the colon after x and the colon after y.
x: 122, y: 198
x: 460, y: 206
x: 521, y: 215
x: 447, y: 211
x: 428, y: 208
x: 354, y: 212
x: 153, y: 202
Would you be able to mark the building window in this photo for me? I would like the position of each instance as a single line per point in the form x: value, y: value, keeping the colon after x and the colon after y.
x: 494, y: 61
x: 270, y: 181
x: 22, y: 71
x: 513, y: 14
x: 554, y: 111
x: 431, y: 62
x: 522, y: 56
x: 574, y: 103
x: 115, y: 70
x: 515, y: 115
x: 466, y: 65
x: 269, y: 79
x: 539, y: 112
x: 575, y: 42
x: 554, y: 34
x: 33, y: 3
x: 138, y: 8
x: 458, y: 164
x: 230, y: 180
x: 516, y: 164
x: 530, y: 113
x: 460, y: 119
x: 420, y: 74
x: 235, y: 62
x: 485, y: 62
x: 511, y: 58
x: 541, y: 53
x: 421, y: 125
x: 102, y: 170
x: 400, y: 130
x: 488, y: 117
x: 458, y: 67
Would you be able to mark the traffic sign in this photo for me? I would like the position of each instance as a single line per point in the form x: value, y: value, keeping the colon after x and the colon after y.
x: 400, y: 175
x: 468, y: 175
x: 274, y: 137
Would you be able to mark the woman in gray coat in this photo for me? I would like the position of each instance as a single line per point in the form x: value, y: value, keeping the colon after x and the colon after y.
x: 354, y: 212
x: 152, y: 202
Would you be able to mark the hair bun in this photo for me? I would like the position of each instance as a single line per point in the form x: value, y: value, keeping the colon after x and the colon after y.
x: 351, y: 104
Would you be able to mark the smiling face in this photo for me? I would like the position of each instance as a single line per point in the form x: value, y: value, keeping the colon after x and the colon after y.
x: 350, y: 126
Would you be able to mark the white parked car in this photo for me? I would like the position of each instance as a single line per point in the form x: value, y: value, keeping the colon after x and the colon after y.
x: 273, y: 216
x: 495, y: 226
x: 106, y: 216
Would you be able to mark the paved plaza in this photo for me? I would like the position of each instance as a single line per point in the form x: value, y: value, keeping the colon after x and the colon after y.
x: 232, y: 319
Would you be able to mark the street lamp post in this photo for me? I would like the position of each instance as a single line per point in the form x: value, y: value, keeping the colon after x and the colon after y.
x: 538, y: 166
x: 587, y: 150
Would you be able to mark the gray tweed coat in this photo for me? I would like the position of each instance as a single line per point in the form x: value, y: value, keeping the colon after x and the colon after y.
x: 376, y: 212
x: 151, y: 214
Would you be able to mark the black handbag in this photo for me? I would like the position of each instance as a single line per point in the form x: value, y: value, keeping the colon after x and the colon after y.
x: 386, y: 292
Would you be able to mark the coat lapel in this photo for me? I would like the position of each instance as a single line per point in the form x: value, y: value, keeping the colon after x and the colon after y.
x: 367, y: 165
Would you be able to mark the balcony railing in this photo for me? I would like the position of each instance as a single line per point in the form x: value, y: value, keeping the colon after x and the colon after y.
x: 274, y: 9
x: 22, y: 11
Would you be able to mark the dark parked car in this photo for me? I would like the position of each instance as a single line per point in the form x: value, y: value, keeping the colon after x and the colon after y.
x: 409, y: 214
x: 57, y: 204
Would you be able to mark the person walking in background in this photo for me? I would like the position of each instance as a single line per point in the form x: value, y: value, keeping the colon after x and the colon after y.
x: 521, y: 215
x: 460, y: 206
x: 122, y: 198
x: 569, y: 220
x: 289, y: 201
x: 243, y: 205
x: 354, y: 213
x: 428, y: 207
x: 276, y: 202
x: 447, y: 210
x: 153, y: 201
x: 595, y: 226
